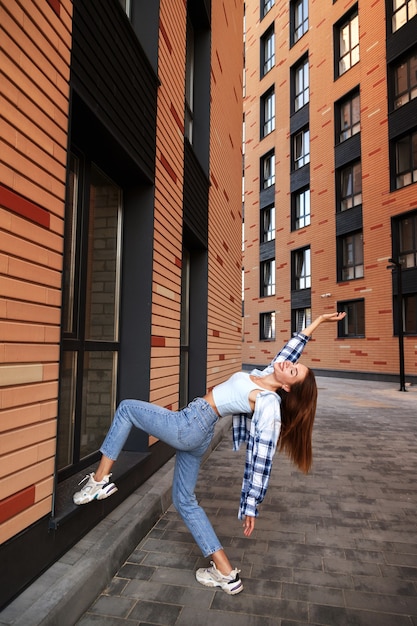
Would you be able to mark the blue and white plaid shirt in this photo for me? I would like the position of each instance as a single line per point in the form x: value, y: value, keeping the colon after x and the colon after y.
x: 261, y: 431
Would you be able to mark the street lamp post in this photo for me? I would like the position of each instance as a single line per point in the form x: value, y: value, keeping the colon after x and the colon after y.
x: 397, y: 266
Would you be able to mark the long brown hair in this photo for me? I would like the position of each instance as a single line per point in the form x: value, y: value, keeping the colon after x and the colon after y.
x: 298, y: 408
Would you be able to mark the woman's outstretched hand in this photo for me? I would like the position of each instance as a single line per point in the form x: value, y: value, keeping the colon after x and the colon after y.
x: 326, y: 317
x: 332, y: 317
x: 248, y: 525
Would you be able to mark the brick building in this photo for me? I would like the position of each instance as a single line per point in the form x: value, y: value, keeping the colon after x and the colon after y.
x: 120, y: 243
x: 330, y: 181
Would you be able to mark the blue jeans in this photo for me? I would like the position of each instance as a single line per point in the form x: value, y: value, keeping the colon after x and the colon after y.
x: 190, y: 432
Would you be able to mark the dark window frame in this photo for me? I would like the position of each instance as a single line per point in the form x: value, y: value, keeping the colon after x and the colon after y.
x: 267, y: 278
x: 268, y: 158
x: 267, y: 62
x: 267, y: 326
x: 301, y: 269
x: 267, y: 125
x: 303, y: 94
x: 353, y: 125
x: 349, y: 54
x: 298, y: 28
x: 352, y: 308
x: 343, y: 265
x: 306, y: 216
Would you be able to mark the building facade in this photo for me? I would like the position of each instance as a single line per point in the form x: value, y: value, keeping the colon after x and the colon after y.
x: 330, y: 173
x: 120, y: 244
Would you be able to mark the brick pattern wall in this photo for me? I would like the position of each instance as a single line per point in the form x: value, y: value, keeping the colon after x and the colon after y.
x: 225, y: 208
x: 166, y: 294
x: 378, y: 351
x: 35, y: 57
x: 224, y: 323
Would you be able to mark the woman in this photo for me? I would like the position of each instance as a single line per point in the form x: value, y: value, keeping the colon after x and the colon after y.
x: 255, y: 400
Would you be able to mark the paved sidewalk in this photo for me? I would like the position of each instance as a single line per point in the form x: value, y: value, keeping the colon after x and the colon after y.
x: 337, y: 547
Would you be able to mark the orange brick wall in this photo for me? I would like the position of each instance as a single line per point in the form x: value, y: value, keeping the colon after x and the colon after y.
x: 378, y: 351
x: 225, y: 210
x: 35, y: 56
x: 166, y: 304
x: 224, y: 323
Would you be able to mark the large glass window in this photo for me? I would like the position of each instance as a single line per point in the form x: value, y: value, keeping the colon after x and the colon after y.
x: 301, y: 318
x: 407, y: 228
x: 301, y: 269
x: 402, y: 12
x: 301, y: 84
x: 299, y: 10
x: 266, y: 6
x: 267, y: 113
x: 300, y: 209
x: 405, y: 75
x: 351, y: 255
x: 353, y: 325
x: 350, y: 186
x: 267, y: 224
x: 267, y: 51
x: 348, y: 34
x: 268, y: 170
x: 349, y: 117
x: 267, y: 326
x: 90, y: 319
x: 410, y: 313
x: 301, y: 149
x: 406, y: 161
x: 267, y: 278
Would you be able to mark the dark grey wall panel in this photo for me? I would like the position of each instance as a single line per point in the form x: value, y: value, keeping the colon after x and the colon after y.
x: 112, y: 75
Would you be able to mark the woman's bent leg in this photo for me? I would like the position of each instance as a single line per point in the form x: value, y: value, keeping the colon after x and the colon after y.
x: 187, y: 466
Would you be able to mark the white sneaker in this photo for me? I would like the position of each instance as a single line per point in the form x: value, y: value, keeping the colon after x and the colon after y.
x: 93, y: 490
x: 211, y: 577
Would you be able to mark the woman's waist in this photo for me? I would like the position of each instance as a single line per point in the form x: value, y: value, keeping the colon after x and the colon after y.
x: 210, y: 400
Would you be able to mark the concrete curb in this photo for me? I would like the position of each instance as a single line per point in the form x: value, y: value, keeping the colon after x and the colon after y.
x: 66, y: 590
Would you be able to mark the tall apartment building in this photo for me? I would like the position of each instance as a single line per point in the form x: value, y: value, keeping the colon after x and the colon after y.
x: 330, y: 173
x: 120, y: 237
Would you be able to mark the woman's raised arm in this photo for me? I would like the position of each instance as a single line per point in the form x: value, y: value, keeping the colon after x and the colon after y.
x: 327, y: 317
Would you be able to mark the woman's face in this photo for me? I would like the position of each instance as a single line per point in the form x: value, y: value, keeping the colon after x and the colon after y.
x: 288, y: 373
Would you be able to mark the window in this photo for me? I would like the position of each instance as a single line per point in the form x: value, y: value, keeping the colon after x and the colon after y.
x: 403, y: 12
x: 268, y: 170
x: 90, y: 317
x: 299, y: 15
x: 410, y: 314
x: 266, y: 6
x: 348, y: 40
x: 405, y: 75
x: 267, y: 326
x: 301, y: 318
x: 406, y: 161
x: 301, y: 149
x: 268, y: 224
x: 353, y: 325
x: 267, y: 278
x: 268, y: 113
x: 301, y: 269
x: 267, y: 51
x: 300, y: 209
x: 407, y: 229
x: 351, y: 256
x: 348, y: 117
x: 350, y: 186
x: 301, y: 85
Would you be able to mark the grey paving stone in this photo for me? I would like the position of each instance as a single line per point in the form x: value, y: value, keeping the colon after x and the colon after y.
x: 156, y: 613
x: 112, y: 606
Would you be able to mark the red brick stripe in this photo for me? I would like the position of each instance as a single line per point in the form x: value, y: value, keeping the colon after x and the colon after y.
x: 16, y: 203
x: 18, y: 502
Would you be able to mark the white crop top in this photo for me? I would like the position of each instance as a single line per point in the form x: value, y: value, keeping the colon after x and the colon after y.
x: 232, y: 396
